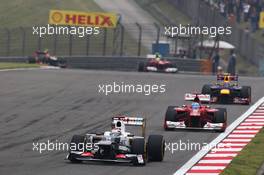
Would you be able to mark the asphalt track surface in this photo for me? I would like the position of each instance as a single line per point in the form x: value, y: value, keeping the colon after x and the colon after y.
x: 41, y: 105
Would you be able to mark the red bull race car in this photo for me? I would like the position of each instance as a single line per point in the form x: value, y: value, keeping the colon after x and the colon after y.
x: 196, y: 115
x: 227, y: 91
x: 118, y: 145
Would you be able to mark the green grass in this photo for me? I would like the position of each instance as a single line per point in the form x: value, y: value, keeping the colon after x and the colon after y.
x: 167, y: 10
x: 250, y: 158
x: 28, y: 13
x: 6, y: 65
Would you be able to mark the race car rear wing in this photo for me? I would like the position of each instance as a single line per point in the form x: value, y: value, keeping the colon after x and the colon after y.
x: 201, y: 97
x: 131, y: 121
x: 227, y: 77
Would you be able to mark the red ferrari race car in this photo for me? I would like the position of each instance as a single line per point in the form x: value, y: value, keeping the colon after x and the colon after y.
x: 157, y: 64
x: 44, y: 57
x: 196, y: 115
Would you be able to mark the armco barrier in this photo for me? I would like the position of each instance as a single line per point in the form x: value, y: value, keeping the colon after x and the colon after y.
x: 114, y: 63
x: 126, y: 63
x: 14, y: 59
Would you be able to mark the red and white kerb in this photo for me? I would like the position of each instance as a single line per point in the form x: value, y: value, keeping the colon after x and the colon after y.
x: 217, y: 159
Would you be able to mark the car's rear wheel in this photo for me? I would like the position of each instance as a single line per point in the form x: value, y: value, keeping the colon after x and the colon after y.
x: 76, y: 144
x: 156, y: 148
x: 171, y: 115
x: 141, y: 66
x: 138, y: 148
x: 31, y: 60
x: 246, y: 93
x: 221, y: 117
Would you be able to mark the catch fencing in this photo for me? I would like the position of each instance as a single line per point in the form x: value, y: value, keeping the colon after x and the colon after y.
x: 124, y: 40
x: 202, y: 13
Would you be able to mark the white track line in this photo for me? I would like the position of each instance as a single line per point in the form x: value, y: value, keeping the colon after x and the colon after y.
x: 22, y: 69
x: 256, y: 117
x: 202, y: 174
x: 227, y: 149
x: 237, y: 140
x: 197, y: 157
x: 254, y: 120
x: 221, y: 155
x: 245, y: 131
x: 249, y: 127
x: 241, y: 136
x: 230, y: 144
x: 216, y: 161
x: 252, y: 124
x: 208, y: 167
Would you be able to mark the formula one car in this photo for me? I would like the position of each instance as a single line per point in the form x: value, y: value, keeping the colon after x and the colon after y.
x: 226, y: 90
x: 43, y: 57
x: 118, y: 145
x: 196, y: 115
x: 157, y: 64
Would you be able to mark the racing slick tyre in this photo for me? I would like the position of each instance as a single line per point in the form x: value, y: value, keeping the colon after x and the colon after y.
x: 76, y: 140
x: 221, y: 117
x: 155, y: 148
x: 171, y: 115
x: 141, y: 66
x: 246, y: 93
x: 175, y: 66
x: 138, y: 147
x: 62, y: 63
x: 31, y: 60
x: 206, y: 89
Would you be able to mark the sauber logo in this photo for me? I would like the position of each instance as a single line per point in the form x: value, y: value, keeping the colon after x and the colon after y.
x: 73, y: 18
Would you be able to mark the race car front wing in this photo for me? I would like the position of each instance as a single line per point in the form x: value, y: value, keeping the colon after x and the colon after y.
x: 207, y: 126
x: 168, y: 70
x: 119, y: 158
x: 235, y: 100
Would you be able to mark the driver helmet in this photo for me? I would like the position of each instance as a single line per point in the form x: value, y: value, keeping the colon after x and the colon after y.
x: 157, y: 56
x: 195, y: 105
x: 116, y: 131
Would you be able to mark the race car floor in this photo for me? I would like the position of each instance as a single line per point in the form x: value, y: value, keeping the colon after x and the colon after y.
x: 41, y: 105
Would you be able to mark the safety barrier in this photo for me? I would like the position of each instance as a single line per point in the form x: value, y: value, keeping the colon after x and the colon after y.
x: 114, y: 63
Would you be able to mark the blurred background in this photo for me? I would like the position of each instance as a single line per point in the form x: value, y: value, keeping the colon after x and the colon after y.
x: 140, y: 31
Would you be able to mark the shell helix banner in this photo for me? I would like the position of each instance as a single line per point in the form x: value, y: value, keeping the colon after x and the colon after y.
x: 76, y: 18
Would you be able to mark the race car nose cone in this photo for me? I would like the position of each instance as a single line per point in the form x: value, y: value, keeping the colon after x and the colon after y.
x: 87, y: 154
x: 120, y: 156
x: 225, y: 91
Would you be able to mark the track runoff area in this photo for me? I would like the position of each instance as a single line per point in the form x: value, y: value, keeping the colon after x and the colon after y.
x: 229, y: 144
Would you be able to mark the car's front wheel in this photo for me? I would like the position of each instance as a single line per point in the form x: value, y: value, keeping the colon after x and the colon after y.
x: 221, y: 117
x: 155, y: 148
x: 141, y: 66
x: 138, y: 148
x: 76, y: 144
x: 246, y: 93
